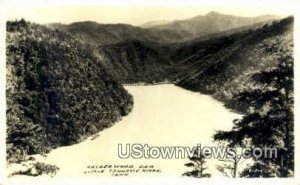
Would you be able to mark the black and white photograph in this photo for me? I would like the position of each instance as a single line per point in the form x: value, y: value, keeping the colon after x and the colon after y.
x: 190, y: 90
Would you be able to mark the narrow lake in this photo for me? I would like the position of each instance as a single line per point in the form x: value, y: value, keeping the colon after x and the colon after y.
x: 163, y: 115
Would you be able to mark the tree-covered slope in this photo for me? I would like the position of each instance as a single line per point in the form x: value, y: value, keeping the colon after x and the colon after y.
x: 57, y: 92
x: 134, y: 61
x: 222, y: 66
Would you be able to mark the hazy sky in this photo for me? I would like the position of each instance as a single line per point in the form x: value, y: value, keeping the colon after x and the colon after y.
x: 136, y: 12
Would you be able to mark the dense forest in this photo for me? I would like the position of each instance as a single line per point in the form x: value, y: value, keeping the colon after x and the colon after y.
x: 57, y: 92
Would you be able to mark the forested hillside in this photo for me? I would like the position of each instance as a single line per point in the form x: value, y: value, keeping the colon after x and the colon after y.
x: 134, y: 61
x: 222, y: 66
x: 57, y: 91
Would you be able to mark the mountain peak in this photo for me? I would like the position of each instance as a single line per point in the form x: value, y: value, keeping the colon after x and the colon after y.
x: 212, y: 13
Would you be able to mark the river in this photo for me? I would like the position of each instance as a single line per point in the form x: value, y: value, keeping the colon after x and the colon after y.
x: 163, y: 115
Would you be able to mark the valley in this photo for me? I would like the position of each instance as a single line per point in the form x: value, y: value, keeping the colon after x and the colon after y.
x: 173, y: 83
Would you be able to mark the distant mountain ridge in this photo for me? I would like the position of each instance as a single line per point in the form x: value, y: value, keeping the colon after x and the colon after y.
x: 158, y: 31
x: 153, y: 23
x: 102, y: 34
x: 212, y: 22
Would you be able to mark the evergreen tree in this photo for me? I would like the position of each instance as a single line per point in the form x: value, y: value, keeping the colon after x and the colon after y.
x: 230, y: 166
x: 198, y: 161
x: 233, y: 159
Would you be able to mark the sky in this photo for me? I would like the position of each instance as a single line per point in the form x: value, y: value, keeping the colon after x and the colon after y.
x: 136, y: 12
